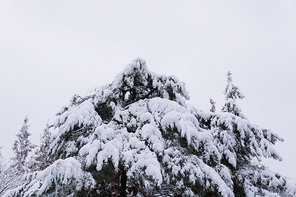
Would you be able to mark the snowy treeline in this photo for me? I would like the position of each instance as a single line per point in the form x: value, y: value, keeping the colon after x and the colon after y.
x: 139, y: 137
x: 28, y: 158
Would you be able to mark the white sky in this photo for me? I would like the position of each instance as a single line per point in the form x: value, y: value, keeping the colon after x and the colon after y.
x: 50, y: 50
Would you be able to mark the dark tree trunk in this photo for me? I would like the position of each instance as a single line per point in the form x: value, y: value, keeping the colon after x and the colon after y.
x: 123, y: 179
x: 118, y: 188
x: 115, y: 185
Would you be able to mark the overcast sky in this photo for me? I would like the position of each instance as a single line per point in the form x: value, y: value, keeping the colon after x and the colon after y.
x: 51, y: 50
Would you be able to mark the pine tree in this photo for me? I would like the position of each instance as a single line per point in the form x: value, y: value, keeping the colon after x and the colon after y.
x: 242, y: 144
x: 22, y: 147
x: 138, y: 137
x: 40, y: 159
x: 231, y: 93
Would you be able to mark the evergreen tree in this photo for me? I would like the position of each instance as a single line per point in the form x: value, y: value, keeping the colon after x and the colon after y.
x: 9, y: 175
x: 231, y: 93
x: 40, y: 159
x: 22, y: 147
x: 137, y: 137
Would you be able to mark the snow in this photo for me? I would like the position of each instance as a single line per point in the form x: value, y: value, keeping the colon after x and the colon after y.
x: 61, y: 172
x: 152, y: 135
x: 121, y: 145
x: 83, y: 114
x: 159, y: 140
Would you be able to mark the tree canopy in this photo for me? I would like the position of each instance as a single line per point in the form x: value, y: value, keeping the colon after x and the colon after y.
x: 138, y: 137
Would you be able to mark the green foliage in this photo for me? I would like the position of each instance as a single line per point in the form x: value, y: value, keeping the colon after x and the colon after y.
x: 170, y: 91
x: 205, y: 123
x: 105, y: 176
x: 105, y: 111
x: 238, y: 186
x: 170, y: 133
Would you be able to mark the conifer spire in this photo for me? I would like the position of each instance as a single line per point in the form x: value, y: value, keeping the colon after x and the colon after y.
x: 232, y: 93
x: 40, y: 160
x: 22, y: 147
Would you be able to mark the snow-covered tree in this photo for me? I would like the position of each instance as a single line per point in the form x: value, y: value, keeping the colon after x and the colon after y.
x: 231, y: 93
x: 9, y: 175
x: 22, y: 147
x: 138, y: 137
x: 40, y: 160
